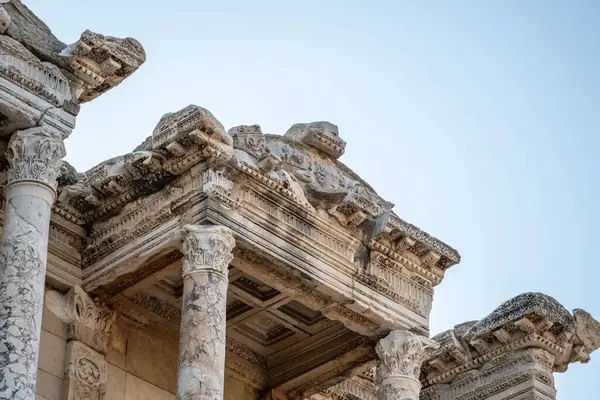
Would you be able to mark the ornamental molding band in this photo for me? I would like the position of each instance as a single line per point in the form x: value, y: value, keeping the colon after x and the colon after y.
x: 207, y: 249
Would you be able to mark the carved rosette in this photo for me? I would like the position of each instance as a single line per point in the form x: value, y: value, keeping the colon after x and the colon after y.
x: 35, y: 155
x: 207, y: 249
x: 85, y: 373
x: 401, y: 354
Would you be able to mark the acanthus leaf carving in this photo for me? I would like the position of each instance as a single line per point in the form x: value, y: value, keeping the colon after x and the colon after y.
x: 87, y: 321
x: 207, y: 249
x: 35, y: 155
x: 401, y: 353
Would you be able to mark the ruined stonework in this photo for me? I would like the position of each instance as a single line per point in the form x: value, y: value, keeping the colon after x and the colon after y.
x: 213, y: 263
x: 511, y: 353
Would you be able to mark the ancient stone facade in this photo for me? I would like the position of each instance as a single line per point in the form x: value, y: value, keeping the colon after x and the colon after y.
x: 225, y: 264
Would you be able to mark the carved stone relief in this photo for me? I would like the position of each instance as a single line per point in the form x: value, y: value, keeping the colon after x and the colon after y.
x: 102, y: 62
x: 85, y: 373
x: 87, y: 321
x: 400, y: 354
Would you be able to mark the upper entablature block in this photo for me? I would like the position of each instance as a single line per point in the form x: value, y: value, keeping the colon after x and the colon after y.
x: 101, y: 62
x: 189, y: 135
x: 32, y: 58
x: 179, y: 126
x: 529, y: 320
x: 321, y: 135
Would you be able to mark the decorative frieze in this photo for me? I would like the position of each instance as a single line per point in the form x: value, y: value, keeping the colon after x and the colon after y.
x: 300, y: 225
x: 393, y: 280
x: 357, y: 387
x: 157, y: 306
x: 216, y: 185
x: 19, y: 66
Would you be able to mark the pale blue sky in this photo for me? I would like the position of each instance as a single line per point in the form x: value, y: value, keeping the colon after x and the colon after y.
x: 479, y: 119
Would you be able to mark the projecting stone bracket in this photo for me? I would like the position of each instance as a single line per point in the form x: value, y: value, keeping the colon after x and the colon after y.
x: 87, y: 322
x: 88, y: 330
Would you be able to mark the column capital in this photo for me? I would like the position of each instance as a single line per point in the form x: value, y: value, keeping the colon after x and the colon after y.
x: 35, y: 154
x: 207, y: 248
x: 86, y: 321
x: 401, y: 354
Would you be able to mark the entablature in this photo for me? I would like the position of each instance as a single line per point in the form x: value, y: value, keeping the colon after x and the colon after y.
x: 528, y: 321
x: 318, y: 205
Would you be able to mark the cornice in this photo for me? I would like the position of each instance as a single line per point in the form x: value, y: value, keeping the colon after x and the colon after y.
x: 289, y: 170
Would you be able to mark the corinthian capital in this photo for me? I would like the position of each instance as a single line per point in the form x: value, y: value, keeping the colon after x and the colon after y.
x: 207, y: 248
x: 35, y: 154
x: 86, y: 321
x: 401, y: 354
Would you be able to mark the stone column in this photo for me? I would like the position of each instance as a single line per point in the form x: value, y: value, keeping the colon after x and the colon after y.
x: 207, y: 254
x: 35, y: 157
x: 88, y: 329
x: 401, y: 354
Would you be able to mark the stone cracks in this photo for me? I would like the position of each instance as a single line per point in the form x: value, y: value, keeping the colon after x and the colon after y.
x: 34, y: 157
x: 88, y: 326
x: 207, y: 254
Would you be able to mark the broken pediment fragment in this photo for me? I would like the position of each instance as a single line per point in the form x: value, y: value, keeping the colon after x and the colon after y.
x: 321, y: 135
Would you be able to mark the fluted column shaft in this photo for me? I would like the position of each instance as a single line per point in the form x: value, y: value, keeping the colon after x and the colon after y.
x: 35, y: 157
x: 401, y: 354
x: 207, y: 254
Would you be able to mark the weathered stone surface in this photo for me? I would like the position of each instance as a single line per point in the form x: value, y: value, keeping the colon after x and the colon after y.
x: 49, y: 386
x: 400, y: 356
x: 138, y: 389
x: 33, y: 33
x: 207, y: 254
x: 323, y: 266
x: 587, y: 330
x: 34, y: 158
x: 116, y: 382
x: 320, y: 135
x: 143, y: 351
x: 179, y: 125
x: 52, y: 354
x: 520, y: 307
x: 86, y: 321
x: 101, y: 62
